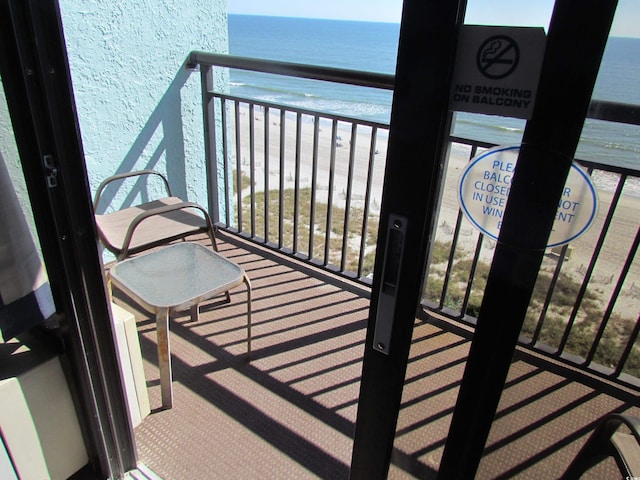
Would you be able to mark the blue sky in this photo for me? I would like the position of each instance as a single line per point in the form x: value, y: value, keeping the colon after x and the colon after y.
x: 484, y: 12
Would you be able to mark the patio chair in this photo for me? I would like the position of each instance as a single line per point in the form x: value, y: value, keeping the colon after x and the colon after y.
x: 608, y: 440
x: 150, y: 224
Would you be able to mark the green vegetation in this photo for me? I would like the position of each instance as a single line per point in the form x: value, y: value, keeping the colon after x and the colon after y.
x: 245, y: 182
x: 288, y: 214
x: 458, y: 281
x: 563, y: 298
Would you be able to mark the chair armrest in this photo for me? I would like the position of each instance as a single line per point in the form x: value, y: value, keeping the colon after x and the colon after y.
x: 627, y: 446
x: 121, y: 176
x: 600, y: 445
x: 612, y: 422
x: 632, y: 422
x: 159, y: 211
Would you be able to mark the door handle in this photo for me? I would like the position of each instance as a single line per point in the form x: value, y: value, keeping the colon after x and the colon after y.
x: 391, y: 270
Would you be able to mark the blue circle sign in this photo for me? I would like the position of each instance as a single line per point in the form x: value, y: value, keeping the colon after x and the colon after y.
x: 485, y: 185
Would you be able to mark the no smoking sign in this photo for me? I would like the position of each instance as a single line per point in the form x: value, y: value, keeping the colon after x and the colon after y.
x: 498, y: 57
x: 497, y: 70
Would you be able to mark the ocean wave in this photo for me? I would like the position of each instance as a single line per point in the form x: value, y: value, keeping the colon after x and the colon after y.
x: 261, y: 91
x: 608, y: 181
x: 297, y: 88
x: 599, y: 143
x: 365, y: 108
x: 627, y: 146
x: 370, y: 111
x: 609, y: 153
x: 490, y: 124
x: 622, y: 147
x: 511, y: 129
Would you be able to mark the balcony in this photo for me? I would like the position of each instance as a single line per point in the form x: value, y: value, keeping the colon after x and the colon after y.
x: 295, y: 194
x: 290, y: 412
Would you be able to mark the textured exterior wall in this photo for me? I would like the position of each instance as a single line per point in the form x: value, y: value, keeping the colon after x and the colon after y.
x: 138, y: 107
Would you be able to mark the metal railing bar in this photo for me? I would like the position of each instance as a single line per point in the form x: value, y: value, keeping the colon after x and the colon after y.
x: 267, y: 141
x: 210, y: 114
x: 614, y: 112
x: 614, y: 296
x: 252, y: 167
x: 226, y: 160
x: 347, y: 205
x: 592, y: 263
x: 549, y: 295
x: 474, y: 149
x: 314, y: 184
x: 623, y: 171
x: 452, y: 252
x: 472, y: 273
x: 296, y: 189
x: 367, y: 199
x: 238, y: 165
x: 312, y: 72
x: 474, y: 144
x: 628, y: 348
x: 283, y: 119
x: 313, y: 113
x: 454, y: 243
x: 332, y: 171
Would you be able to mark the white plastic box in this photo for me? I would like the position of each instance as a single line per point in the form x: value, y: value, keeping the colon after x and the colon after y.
x: 38, y: 421
x: 131, y: 367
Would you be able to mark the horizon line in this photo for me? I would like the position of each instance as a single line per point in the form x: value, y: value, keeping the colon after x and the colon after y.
x: 313, y: 18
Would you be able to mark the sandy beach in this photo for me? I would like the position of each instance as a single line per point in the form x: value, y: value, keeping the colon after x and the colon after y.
x: 299, y: 137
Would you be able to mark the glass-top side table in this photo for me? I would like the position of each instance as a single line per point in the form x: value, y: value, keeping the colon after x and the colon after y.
x: 176, y: 278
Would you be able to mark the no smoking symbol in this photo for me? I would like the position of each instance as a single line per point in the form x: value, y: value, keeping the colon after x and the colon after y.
x: 498, y: 57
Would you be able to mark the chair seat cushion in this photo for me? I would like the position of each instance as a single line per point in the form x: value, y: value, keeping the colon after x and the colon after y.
x: 154, y: 230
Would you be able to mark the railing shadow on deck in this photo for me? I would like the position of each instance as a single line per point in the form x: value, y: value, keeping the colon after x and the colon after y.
x: 304, y: 379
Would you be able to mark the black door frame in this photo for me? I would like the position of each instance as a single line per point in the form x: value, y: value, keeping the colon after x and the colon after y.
x: 419, y: 129
x: 576, y: 40
x: 417, y: 138
x: 37, y: 83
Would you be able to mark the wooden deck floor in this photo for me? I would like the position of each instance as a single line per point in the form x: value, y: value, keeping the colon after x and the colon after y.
x: 290, y: 412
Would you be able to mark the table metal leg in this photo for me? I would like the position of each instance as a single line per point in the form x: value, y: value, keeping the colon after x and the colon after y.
x: 164, y: 356
x: 195, y: 313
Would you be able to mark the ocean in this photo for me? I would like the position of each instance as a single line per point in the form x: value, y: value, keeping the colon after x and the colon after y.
x: 373, y: 47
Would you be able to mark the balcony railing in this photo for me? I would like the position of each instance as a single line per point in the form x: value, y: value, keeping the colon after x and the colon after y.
x: 309, y: 184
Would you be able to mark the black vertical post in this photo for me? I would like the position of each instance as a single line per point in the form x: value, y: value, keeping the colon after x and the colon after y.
x: 210, y: 144
x: 577, y: 37
x: 420, y: 126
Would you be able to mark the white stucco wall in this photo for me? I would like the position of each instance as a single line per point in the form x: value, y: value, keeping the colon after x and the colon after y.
x: 138, y: 107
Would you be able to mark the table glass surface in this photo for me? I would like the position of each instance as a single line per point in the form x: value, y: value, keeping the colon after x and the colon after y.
x: 175, y: 275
